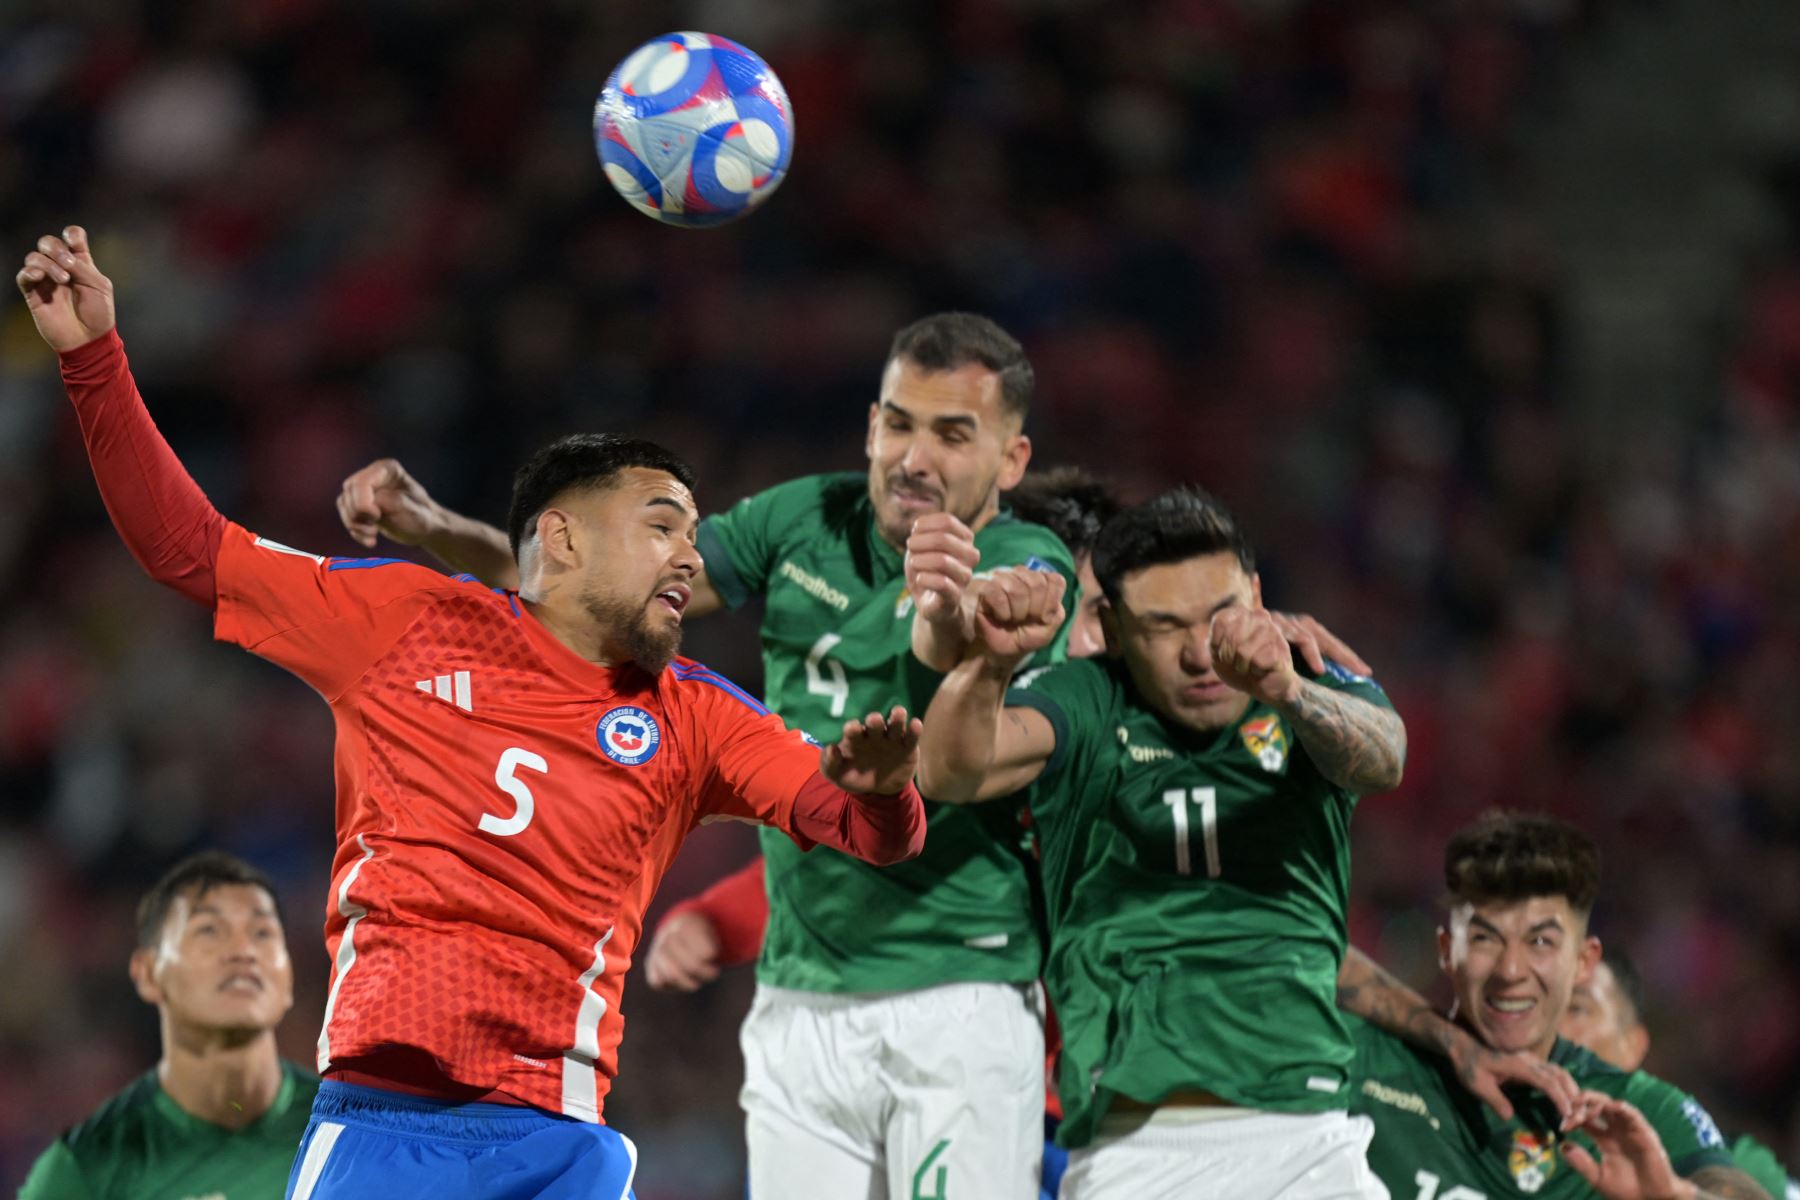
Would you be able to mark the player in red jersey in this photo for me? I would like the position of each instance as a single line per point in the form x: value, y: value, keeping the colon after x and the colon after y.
x: 515, y: 771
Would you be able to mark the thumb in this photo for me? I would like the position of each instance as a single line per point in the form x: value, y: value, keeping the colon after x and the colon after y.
x: 77, y: 239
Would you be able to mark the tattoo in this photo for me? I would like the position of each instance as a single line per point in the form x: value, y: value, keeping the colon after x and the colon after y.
x: 1373, y: 993
x: 1726, y: 1183
x: 1355, y: 744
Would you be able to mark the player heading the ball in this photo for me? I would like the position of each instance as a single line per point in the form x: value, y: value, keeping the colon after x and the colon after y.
x: 515, y: 771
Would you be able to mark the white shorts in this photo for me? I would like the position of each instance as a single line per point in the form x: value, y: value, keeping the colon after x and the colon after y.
x: 1178, y: 1154
x: 936, y: 1094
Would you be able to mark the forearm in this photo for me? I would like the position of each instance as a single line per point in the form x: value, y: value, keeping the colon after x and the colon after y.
x: 1371, y: 992
x: 163, y: 517
x: 465, y: 544
x: 962, y: 726
x: 737, y: 907
x: 1355, y: 744
x: 878, y: 829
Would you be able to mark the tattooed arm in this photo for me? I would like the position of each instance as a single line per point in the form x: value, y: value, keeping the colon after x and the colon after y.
x: 1365, y: 988
x: 1726, y: 1183
x: 1355, y: 744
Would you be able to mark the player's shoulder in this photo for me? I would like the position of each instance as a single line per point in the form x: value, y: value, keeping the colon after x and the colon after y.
x: 1008, y: 541
x: 825, y: 497
x: 393, y: 574
x: 688, y: 682
x: 117, y: 1121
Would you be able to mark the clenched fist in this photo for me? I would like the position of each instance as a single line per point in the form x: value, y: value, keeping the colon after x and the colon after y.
x: 1251, y: 654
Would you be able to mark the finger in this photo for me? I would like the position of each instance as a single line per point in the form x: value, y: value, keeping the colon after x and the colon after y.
x: 896, y: 721
x: 74, y: 269
x: 1301, y: 638
x: 352, y: 525
x: 915, y: 729
x: 76, y: 238
x: 1337, y: 649
x: 46, y: 267
x: 876, y: 724
x: 1489, y: 1092
x: 853, y: 731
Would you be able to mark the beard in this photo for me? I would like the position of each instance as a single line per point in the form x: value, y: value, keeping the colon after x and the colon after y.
x: 627, y: 626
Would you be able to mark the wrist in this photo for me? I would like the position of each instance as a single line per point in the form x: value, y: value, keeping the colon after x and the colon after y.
x: 1287, y: 694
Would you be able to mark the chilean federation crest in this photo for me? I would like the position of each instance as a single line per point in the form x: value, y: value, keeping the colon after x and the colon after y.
x: 1265, y: 738
x: 1532, y: 1160
x: 628, y: 735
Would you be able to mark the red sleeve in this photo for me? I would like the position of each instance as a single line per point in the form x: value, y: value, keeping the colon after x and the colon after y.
x: 763, y: 772
x: 738, y: 908
x: 165, y: 519
x: 882, y: 830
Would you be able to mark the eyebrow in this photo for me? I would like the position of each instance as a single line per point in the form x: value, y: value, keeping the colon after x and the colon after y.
x: 1547, y: 923
x: 213, y: 910
x: 677, y: 505
x: 961, y: 419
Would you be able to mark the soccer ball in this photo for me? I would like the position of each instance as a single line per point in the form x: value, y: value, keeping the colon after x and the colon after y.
x: 694, y: 130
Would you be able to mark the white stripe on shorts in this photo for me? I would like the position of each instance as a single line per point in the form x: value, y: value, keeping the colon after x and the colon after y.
x: 313, y: 1165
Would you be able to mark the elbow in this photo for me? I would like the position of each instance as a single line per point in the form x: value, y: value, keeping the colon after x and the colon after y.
x: 945, y: 785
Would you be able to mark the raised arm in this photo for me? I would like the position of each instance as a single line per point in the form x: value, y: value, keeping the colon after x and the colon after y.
x: 164, y: 518
x: 1373, y: 993
x: 974, y: 747
x: 1355, y: 744
x: 384, y: 500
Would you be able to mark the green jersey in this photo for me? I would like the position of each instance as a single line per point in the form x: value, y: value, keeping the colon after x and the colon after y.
x: 837, y: 643
x: 141, y: 1145
x: 1195, y: 886
x: 1435, y: 1141
x: 1759, y: 1163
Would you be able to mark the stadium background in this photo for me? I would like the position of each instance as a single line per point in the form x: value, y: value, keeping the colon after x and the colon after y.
x: 1485, y: 314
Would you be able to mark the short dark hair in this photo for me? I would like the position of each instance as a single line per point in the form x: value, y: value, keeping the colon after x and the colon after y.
x: 581, y: 460
x: 1071, y: 502
x: 1180, y: 524
x: 948, y: 340
x: 1511, y: 856
x: 1631, y: 984
x: 200, y: 873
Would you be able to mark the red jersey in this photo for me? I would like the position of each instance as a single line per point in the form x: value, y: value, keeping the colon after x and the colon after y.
x: 505, y: 811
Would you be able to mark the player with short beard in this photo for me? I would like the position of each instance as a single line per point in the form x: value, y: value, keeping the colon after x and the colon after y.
x: 512, y: 780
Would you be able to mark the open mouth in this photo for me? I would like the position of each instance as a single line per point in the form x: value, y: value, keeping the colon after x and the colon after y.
x: 243, y: 982
x: 675, y: 598
x: 1504, y: 1009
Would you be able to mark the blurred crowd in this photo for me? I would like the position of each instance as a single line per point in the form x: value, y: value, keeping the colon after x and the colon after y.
x: 1273, y: 246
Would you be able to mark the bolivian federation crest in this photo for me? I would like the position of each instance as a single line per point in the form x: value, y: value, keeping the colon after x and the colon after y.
x: 1265, y: 738
x: 1533, y: 1160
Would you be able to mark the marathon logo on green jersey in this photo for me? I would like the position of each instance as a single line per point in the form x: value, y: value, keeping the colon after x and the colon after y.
x: 815, y: 587
x: 1409, y: 1102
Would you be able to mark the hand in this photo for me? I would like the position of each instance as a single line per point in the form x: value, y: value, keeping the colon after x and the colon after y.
x: 1018, y: 612
x: 940, y: 565
x: 684, y: 954
x: 383, y: 499
x: 877, y: 755
x: 1317, y: 643
x: 1251, y: 655
x: 1484, y: 1071
x: 1633, y: 1163
x: 70, y: 300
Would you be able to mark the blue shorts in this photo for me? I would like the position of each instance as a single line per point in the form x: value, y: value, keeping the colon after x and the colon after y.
x: 364, y: 1142
x: 1056, y: 1160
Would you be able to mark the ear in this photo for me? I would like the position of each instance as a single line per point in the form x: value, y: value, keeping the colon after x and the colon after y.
x: 1443, y: 950
x: 1591, y: 951
x: 556, y: 539
x: 1013, y: 461
x: 1256, y: 589
x: 869, y: 437
x: 1638, y: 1038
x: 143, y: 975
x: 1109, y: 628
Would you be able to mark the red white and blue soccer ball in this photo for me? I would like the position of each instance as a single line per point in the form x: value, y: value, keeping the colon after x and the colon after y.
x: 694, y: 130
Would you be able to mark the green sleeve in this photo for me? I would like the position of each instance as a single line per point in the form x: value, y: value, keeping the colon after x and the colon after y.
x: 1022, y: 544
x: 56, y: 1176
x: 1071, y: 696
x: 1342, y: 679
x: 1759, y: 1163
x: 1688, y: 1133
x: 740, y: 545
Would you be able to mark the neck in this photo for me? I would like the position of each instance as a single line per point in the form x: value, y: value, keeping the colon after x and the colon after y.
x: 572, y: 625
x: 224, y: 1079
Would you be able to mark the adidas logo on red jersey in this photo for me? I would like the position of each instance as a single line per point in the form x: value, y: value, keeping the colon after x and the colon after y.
x: 453, y: 688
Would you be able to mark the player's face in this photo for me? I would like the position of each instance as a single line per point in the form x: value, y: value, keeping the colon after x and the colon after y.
x: 1513, y: 966
x: 1600, y: 1018
x: 639, y: 575
x: 222, y: 963
x: 940, y: 441
x: 1086, y: 638
x: 1163, y: 629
